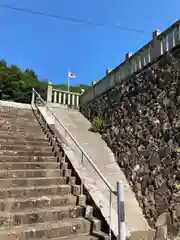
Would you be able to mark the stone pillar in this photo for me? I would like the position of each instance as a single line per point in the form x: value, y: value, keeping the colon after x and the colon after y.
x: 82, y: 90
x: 177, y: 35
x: 32, y: 98
x: 59, y: 98
x: 129, y: 67
x: 77, y: 100
x: 69, y: 98
x: 108, y: 71
x: 139, y: 65
x: 171, y: 42
x: 156, y: 45
x: 128, y: 55
x: 134, y: 65
x: 64, y: 98
x: 49, y: 92
x: 73, y: 99
x: 144, y: 59
x: 55, y: 96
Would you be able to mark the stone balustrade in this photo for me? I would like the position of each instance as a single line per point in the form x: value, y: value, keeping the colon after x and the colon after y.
x: 134, y: 63
x: 62, y: 97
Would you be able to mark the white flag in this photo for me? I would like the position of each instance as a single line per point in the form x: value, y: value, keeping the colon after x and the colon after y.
x: 71, y: 75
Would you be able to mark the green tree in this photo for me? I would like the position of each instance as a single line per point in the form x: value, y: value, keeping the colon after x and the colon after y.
x: 16, y: 85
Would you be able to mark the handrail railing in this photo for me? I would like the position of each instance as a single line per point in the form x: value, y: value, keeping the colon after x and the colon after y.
x: 83, y: 154
x: 111, y: 188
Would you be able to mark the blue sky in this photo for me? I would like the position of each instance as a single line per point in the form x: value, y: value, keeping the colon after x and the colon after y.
x: 50, y: 46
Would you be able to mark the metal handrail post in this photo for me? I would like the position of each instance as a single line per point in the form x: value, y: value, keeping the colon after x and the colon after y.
x: 121, y: 213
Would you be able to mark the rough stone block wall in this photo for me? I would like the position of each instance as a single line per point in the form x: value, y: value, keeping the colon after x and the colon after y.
x: 143, y: 129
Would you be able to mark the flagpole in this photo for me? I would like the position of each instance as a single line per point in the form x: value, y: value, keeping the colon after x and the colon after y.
x: 68, y: 79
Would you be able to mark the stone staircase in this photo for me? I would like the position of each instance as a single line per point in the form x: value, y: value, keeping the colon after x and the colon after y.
x: 39, y: 196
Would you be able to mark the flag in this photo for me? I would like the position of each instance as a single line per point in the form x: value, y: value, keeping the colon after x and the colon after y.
x: 71, y: 75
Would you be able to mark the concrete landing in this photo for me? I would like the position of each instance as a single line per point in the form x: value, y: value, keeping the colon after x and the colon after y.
x: 104, y: 159
x: 14, y: 105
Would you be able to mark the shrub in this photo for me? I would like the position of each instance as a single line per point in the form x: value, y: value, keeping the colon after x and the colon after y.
x: 97, y: 124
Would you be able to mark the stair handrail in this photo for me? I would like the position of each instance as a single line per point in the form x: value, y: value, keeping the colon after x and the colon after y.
x: 110, y: 187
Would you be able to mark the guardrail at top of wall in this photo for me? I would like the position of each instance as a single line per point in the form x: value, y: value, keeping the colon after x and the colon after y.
x: 160, y: 43
x: 62, y: 96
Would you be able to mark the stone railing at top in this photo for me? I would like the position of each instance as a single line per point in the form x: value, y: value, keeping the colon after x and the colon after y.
x: 62, y: 97
x: 160, y: 44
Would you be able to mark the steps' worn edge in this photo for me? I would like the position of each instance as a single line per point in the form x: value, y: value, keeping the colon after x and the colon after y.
x: 27, y: 158
x: 35, y: 190
x: 11, y: 147
x: 73, y: 237
x: 32, y: 188
x: 23, y: 143
x: 40, y: 215
x: 28, y: 173
x: 43, y: 226
x: 38, y: 210
x: 27, y: 165
x: 33, y: 181
x: 6, y: 136
x: 68, y: 199
x: 23, y: 153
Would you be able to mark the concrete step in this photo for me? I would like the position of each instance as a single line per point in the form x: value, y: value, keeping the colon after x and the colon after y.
x: 35, y: 191
x: 48, y: 230
x: 23, y: 143
x: 14, y: 204
x: 101, y: 235
x: 18, y: 121
x: 20, y: 128
x: 37, y: 215
x: 6, y: 123
x: 21, y: 134
x: 16, y: 115
x: 21, y: 111
x: 79, y: 237
x: 17, y: 129
x: 25, y: 148
x: 23, y: 128
x: 5, y: 108
x: 29, y: 165
x: 27, y: 159
x: 27, y: 152
x: 22, y: 123
x: 30, y: 173
x: 15, y: 118
x: 21, y: 114
x: 24, y: 138
x: 43, y: 181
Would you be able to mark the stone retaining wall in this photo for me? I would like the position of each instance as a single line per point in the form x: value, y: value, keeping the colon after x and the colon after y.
x: 142, y: 118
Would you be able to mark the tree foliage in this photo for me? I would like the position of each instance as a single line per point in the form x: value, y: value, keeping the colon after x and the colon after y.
x: 16, y: 85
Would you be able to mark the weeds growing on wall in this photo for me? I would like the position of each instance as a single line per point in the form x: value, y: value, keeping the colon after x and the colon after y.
x: 97, y: 124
